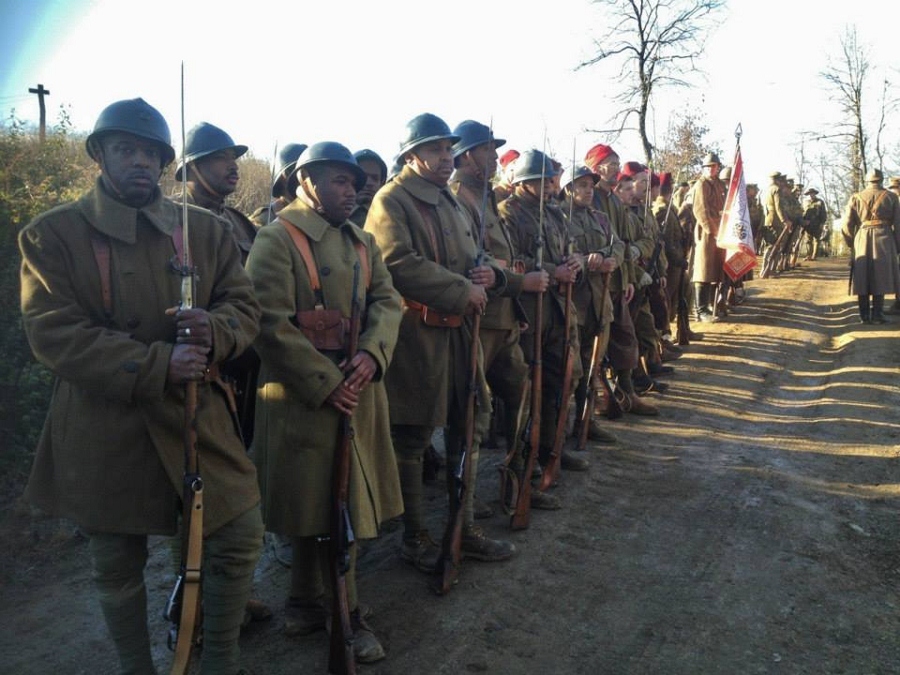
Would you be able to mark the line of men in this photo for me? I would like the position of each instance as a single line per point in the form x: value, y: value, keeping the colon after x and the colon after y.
x: 606, y: 246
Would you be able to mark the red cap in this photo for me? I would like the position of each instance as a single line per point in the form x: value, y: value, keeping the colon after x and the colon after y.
x: 633, y: 168
x: 665, y: 179
x: 654, y: 179
x: 621, y: 177
x: 508, y: 156
x: 597, y: 154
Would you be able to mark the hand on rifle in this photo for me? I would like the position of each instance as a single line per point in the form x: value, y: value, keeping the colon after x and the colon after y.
x: 629, y: 293
x: 343, y: 398
x: 192, y: 326
x: 575, y: 261
x: 359, y: 371
x: 563, y: 274
x: 483, y: 276
x: 477, y: 299
x: 663, y: 283
x: 536, y: 281
x: 187, y: 364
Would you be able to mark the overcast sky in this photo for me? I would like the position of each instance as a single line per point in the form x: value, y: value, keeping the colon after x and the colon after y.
x: 272, y: 72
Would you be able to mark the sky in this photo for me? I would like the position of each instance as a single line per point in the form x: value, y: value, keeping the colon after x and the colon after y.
x: 271, y: 72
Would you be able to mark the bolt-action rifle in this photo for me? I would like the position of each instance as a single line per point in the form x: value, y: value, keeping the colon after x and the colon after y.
x: 447, y: 569
x: 340, y: 658
x: 183, y: 606
x: 551, y: 471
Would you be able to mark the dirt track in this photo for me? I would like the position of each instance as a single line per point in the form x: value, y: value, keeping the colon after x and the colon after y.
x: 751, y: 528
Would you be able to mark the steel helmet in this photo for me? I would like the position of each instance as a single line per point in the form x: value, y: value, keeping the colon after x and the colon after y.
x: 574, y: 172
x: 471, y: 135
x: 133, y: 116
x: 532, y: 164
x: 372, y: 156
x: 287, y: 160
x: 329, y: 151
x: 425, y: 128
x: 205, y: 139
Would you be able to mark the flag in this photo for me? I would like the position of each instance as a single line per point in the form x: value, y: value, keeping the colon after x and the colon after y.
x: 735, y: 234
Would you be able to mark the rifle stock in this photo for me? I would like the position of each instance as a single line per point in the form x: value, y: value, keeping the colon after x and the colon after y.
x: 340, y: 656
x: 596, y: 367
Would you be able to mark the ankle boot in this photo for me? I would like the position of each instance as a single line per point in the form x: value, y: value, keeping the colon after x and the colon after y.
x: 878, y: 309
x: 863, y: 302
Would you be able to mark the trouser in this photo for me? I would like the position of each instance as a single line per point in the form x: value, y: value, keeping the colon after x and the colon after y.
x: 587, y: 334
x: 553, y: 367
x: 229, y: 558
x: 311, y: 573
x: 410, y: 442
x: 877, y: 307
x: 506, y: 373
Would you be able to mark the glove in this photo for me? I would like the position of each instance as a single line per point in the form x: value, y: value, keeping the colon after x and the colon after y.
x: 635, y: 252
x: 645, y: 280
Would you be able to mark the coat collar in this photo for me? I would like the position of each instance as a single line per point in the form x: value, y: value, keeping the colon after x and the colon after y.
x: 420, y: 188
x: 304, y: 218
x: 120, y: 221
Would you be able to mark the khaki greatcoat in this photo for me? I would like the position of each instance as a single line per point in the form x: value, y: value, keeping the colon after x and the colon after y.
x: 708, y: 202
x: 296, y: 430
x: 111, y: 456
x: 421, y: 382
x: 872, y: 227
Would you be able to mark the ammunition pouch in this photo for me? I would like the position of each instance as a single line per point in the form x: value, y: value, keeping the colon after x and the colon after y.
x: 326, y: 329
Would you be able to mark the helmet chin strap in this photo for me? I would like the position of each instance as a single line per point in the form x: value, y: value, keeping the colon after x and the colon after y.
x: 195, y: 170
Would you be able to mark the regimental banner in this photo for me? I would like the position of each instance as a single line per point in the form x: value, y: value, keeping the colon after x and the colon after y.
x: 735, y: 234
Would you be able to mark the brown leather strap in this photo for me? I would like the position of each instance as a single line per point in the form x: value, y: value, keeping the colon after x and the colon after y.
x: 100, y: 245
x: 301, y: 241
x: 427, y: 216
x: 103, y: 257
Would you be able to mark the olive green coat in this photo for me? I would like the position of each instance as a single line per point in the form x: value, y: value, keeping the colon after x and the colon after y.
x: 420, y: 381
x: 111, y: 455
x: 593, y: 233
x: 296, y: 430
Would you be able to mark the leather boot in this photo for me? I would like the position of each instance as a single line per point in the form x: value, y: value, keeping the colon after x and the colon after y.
x: 863, y: 302
x: 878, y: 309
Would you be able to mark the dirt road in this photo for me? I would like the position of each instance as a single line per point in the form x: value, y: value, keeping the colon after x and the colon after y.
x: 751, y: 528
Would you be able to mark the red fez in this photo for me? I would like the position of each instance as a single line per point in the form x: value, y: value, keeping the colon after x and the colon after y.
x: 665, y: 179
x: 633, y: 168
x: 508, y: 156
x: 621, y: 177
x: 597, y: 154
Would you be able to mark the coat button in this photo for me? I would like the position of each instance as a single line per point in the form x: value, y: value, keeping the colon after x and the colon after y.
x: 325, y: 271
x: 233, y: 323
x: 130, y: 367
x: 132, y: 323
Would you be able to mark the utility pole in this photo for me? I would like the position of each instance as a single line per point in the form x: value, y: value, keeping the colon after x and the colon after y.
x: 41, y: 93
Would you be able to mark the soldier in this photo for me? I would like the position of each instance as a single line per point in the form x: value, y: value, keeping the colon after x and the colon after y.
x: 872, y: 231
x: 430, y: 249
x: 505, y: 367
x: 100, y: 309
x: 307, y: 381
x: 708, y: 202
x: 623, y: 344
x: 533, y: 173
x: 604, y: 254
x: 757, y: 216
x: 211, y: 172
x: 894, y: 186
x: 666, y: 216
x: 376, y: 176
x: 284, y: 185
x: 814, y: 215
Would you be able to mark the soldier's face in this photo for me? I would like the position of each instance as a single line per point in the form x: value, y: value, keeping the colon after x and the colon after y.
x: 373, y: 181
x: 219, y: 171
x: 433, y: 161
x: 333, y: 190
x: 608, y: 169
x: 130, y: 166
x: 484, y: 159
x: 640, y: 185
x: 583, y: 190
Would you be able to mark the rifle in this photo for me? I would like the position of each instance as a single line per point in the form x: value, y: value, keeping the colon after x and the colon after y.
x: 522, y: 514
x: 551, y: 471
x: 682, y: 323
x: 447, y: 568
x: 340, y: 657
x: 183, y: 605
x: 613, y: 409
x: 774, y: 252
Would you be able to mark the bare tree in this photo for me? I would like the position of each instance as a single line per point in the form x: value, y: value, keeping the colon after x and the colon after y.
x: 847, y: 78
x: 684, y: 146
x: 887, y: 107
x: 654, y: 43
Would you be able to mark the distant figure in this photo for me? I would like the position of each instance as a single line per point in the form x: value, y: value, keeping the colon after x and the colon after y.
x: 872, y: 231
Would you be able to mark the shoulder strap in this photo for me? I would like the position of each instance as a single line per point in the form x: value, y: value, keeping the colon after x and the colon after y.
x: 425, y: 212
x: 100, y: 245
x: 302, y: 243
